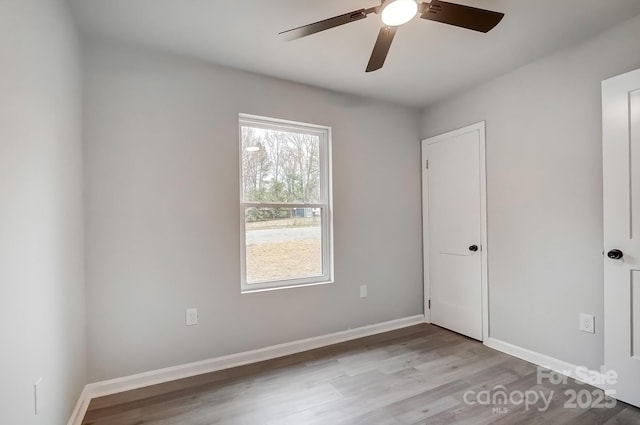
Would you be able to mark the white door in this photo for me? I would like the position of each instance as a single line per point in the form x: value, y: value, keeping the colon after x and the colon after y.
x: 621, y: 190
x: 454, y: 230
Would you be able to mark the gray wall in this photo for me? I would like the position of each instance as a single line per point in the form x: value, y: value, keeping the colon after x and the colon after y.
x: 42, y: 331
x: 544, y: 180
x: 163, y: 214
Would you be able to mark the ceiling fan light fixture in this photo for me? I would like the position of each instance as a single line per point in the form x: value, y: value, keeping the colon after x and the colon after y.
x: 399, y: 12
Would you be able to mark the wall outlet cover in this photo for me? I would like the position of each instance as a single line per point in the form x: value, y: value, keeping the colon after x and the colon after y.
x: 191, y: 317
x: 587, y: 323
x: 363, y: 291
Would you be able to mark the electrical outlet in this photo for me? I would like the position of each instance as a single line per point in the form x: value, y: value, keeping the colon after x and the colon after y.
x: 363, y: 291
x: 191, y: 317
x: 587, y: 323
x: 37, y: 395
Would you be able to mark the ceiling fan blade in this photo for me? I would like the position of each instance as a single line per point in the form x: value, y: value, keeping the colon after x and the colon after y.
x: 326, y: 24
x: 461, y: 16
x: 381, y: 48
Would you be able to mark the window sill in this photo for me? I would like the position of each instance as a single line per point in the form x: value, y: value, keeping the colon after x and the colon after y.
x: 278, y: 288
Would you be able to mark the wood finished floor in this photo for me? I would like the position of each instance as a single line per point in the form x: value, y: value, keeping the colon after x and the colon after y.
x: 417, y: 375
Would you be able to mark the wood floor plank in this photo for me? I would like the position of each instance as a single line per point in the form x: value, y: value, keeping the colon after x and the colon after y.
x: 628, y: 416
x: 414, y: 376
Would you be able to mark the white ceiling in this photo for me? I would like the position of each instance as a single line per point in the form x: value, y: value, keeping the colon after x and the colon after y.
x: 427, y: 61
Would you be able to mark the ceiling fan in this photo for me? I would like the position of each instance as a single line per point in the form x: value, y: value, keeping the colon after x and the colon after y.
x: 398, y: 12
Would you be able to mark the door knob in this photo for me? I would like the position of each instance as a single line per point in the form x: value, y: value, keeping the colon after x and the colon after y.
x: 615, y: 254
x: 473, y: 248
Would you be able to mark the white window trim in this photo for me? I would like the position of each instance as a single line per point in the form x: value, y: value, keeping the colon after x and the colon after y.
x: 326, y: 186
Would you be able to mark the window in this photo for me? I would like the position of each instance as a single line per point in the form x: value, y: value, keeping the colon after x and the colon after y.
x: 285, y: 202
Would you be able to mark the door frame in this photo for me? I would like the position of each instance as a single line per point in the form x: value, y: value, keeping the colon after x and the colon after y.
x: 479, y: 127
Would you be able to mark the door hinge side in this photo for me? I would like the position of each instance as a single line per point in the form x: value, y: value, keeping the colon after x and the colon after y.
x: 429, y: 304
x: 426, y: 164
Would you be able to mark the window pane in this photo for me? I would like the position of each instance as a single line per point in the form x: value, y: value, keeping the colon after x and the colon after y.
x: 283, y: 243
x: 280, y: 166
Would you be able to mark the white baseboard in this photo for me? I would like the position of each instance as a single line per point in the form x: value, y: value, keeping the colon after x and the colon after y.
x: 127, y: 383
x: 564, y: 368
